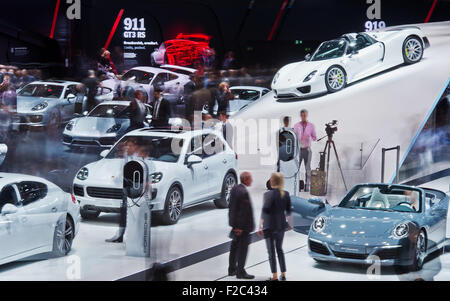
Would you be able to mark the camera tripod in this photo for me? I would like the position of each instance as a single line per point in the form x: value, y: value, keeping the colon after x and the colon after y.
x: 326, y: 152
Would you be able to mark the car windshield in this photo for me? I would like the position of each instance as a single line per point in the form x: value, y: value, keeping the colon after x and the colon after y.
x: 164, y: 149
x: 383, y: 198
x: 329, y: 50
x: 42, y: 90
x: 109, y: 111
x: 245, y: 94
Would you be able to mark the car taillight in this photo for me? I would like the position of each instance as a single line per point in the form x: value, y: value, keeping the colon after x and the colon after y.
x: 74, y: 200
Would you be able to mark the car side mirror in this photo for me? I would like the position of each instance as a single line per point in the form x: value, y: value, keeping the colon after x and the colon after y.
x: 85, y: 113
x: 317, y: 202
x: 3, y: 152
x: 71, y: 97
x: 193, y: 159
x: 104, y: 153
x: 9, y: 209
x: 307, y: 56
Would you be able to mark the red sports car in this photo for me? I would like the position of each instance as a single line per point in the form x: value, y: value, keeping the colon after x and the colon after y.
x: 184, y: 50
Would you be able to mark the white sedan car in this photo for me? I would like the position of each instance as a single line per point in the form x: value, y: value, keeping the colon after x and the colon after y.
x: 349, y: 58
x: 36, y: 217
x: 171, y: 78
x: 186, y: 168
x: 102, y: 127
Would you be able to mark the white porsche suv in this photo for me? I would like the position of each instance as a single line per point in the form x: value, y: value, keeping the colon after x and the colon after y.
x: 186, y: 168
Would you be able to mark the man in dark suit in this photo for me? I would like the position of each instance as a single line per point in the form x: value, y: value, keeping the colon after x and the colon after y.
x: 161, y: 110
x: 241, y: 221
x: 226, y: 128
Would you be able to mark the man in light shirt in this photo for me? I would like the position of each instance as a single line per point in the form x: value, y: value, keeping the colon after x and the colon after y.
x: 306, y: 133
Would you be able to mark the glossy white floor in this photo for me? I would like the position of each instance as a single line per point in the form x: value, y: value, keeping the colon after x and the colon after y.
x: 367, y: 111
x: 302, y: 267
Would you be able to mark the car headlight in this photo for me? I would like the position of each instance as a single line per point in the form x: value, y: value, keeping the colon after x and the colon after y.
x: 40, y: 107
x: 69, y: 126
x: 319, y: 224
x: 310, y: 76
x: 83, y: 174
x: 156, y: 177
x: 275, y: 78
x: 115, y: 128
x: 401, y: 230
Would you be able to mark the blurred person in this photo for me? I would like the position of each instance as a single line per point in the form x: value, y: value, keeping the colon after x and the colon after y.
x: 161, y: 109
x: 129, y: 152
x: 286, y: 123
x: 26, y: 78
x: 274, y: 221
x: 224, y: 97
x: 138, y: 112
x: 229, y: 61
x: 189, y: 89
x: 79, y: 100
x: 245, y: 79
x: 91, y: 83
x: 240, y: 216
x: 306, y: 133
x: 286, y: 127
x: 226, y: 128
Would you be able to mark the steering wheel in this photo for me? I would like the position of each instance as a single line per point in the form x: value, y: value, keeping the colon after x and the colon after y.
x: 403, y: 203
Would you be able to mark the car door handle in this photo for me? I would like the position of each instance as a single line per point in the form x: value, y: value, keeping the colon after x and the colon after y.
x: 224, y: 161
x: 205, y: 166
x: 54, y: 209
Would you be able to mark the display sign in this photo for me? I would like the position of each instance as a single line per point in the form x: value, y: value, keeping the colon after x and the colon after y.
x: 373, y: 14
x: 137, y: 40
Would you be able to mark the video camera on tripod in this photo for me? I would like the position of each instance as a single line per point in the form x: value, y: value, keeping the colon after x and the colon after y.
x: 331, y: 128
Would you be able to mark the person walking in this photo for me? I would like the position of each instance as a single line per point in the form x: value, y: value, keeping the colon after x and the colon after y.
x: 274, y: 221
x: 161, y: 110
x: 91, y: 83
x: 240, y: 216
x: 306, y: 133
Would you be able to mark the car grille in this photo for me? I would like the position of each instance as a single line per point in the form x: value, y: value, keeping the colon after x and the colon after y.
x: 350, y: 255
x: 83, y: 142
x: 105, y: 193
x: 305, y: 89
x: 317, y: 247
x: 107, y: 141
x: 78, y: 190
x: 391, y: 253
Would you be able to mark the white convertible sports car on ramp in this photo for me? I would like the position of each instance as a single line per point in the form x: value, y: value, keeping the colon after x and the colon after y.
x: 351, y: 57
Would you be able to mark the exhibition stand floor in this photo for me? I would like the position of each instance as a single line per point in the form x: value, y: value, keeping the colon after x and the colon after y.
x: 367, y: 111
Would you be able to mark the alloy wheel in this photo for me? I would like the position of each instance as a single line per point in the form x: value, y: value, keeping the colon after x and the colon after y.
x: 413, y: 50
x: 175, y: 204
x: 421, y: 248
x: 65, y: 237
x: 230, y: 182
x: 336, y: 78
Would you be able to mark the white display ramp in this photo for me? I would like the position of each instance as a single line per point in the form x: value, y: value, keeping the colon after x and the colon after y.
x: 382, y: 111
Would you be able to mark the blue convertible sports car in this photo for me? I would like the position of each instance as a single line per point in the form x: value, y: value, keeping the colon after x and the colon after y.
x: 390, y: 224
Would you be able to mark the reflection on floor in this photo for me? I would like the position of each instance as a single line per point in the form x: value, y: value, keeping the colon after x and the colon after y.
x: 301, y: 267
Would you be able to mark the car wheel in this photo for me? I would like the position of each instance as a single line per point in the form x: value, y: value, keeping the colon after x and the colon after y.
x: 89, y: 214
x: 228, y: 183
x: 63, y: 237
x: 335, y: 78
x: 412, y: 50
x: 421, y: 251
x: 173, y: 206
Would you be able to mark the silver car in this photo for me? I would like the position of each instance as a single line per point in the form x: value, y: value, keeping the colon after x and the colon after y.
x: 102, y: 127
x: 49, y: 103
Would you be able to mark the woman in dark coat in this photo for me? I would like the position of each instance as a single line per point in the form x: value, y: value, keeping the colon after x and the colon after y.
x: 274, y: 221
